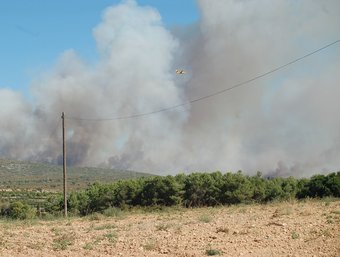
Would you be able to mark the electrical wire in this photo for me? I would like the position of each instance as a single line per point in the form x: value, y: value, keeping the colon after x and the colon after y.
x: 139, y: 115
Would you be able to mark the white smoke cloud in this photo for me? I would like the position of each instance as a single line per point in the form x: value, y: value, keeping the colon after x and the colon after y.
x: 133, y: 75
x: 277, y: 119
x: 284, y: 124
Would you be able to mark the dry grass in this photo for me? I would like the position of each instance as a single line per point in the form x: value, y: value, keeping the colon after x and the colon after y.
x: 276, y: 229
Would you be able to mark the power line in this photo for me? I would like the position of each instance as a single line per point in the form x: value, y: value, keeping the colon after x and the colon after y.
x: 138, y: 115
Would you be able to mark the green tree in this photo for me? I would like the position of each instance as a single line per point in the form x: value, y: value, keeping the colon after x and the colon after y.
x: 201, y: 189
x: 259, y: 187
x: 333, y: 183
x: 236, y: 188
x: 274, y: 189
x: 289, y: 188
x: 127, y: 192
x: 78, y: 203
x: 321, y: 186
x: 54, y: 204
x: 161, y: 191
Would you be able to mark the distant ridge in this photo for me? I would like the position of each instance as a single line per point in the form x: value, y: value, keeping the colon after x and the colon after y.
x: 31, y: 175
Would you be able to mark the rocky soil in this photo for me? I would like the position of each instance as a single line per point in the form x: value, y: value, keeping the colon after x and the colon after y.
x: 310, y: 228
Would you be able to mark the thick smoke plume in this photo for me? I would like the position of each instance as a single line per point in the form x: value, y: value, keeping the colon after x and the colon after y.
x: 284, y: 124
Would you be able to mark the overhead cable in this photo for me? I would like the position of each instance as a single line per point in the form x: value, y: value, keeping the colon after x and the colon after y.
x: 243, y: 83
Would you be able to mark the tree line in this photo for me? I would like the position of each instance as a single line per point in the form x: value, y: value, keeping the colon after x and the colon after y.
x: 193, y: 190
x: 197, y: 190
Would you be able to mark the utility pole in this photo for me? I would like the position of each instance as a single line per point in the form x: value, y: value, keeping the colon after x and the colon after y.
x: 64, y: 164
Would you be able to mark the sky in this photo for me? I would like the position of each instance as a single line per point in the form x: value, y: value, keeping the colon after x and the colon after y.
x: 107, y: 63
x: 36, y: 32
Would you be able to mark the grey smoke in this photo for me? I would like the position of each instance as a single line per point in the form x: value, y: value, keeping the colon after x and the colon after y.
x: 284, y: 124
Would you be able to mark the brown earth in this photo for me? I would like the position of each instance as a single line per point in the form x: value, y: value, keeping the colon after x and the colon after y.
x: 308, y: 228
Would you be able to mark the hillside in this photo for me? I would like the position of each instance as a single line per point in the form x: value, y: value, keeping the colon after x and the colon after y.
x: 29, y: 175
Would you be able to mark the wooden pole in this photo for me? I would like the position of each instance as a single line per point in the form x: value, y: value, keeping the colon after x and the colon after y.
x: 64, y: 165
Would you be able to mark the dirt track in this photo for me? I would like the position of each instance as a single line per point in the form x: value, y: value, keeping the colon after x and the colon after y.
x: 309, y: 228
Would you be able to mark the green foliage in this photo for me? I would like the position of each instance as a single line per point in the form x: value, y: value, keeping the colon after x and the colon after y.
x: 105, y: 226
x: 112, y: 237
x: 113, y: 212
x: 320, y: 186
x: 160, y: 191
x: 236, y: 188
x: 201, y: 189
x: 196, y: 189
x: 205, y: 218
x: 19, y: 210
x: 127, y: 192
x: 259, y: 187
x: 78, y: 203
x: 62, y: 242
x: 295, y: 235
x: 55, y: 204
x: 193, y: 190
x: 212, y: 252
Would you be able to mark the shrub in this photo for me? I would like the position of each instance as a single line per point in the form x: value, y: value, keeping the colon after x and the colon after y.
x: 4, y: 209
x: 161, y: 191
x: 212, y: 252
x: 112, y: 212
x: 320, y: 186
x: 78, y: 203
x: 55, y: 204
x: 20, y: 210
x: 63, y: 242
x: 205, y: 218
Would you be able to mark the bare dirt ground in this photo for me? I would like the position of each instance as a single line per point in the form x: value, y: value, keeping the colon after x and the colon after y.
x: 310, y: 228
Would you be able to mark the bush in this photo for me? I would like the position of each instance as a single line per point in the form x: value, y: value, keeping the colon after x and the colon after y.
x: 4, y: 209
x: 320, y: 186
x: 212, y: 252
x: 202, y: 189
x: 20, y: 210
x: 55, y: 204
x: 112, y: 212
x: 78, y: 203
x: 164, y: 191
